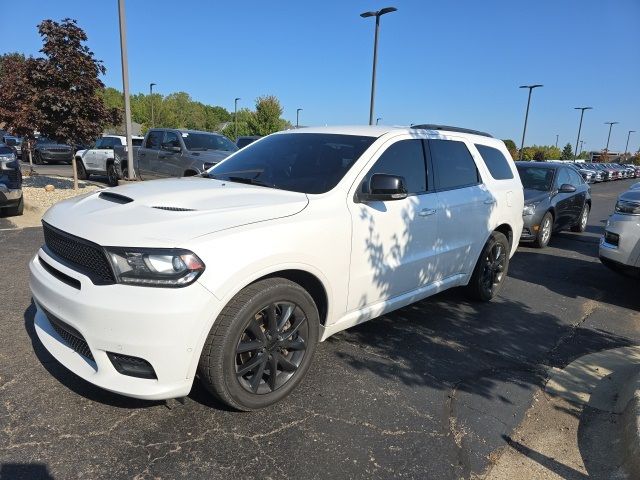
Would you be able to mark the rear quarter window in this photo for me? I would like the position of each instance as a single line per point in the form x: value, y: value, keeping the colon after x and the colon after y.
x: 496, y: 162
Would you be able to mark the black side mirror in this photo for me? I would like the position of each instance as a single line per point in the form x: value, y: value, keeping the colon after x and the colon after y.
x: 384, y: 187
x: 567, y: 188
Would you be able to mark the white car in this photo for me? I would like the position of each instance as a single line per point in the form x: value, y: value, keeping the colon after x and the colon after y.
x: 100, y: 158
x: 237, y: 276
x: 620, y: 244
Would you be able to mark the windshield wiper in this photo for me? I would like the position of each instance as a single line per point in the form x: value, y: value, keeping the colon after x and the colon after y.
x: 248, y: 181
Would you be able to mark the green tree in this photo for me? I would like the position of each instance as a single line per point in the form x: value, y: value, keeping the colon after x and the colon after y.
x: 267, y: 119
x: 567, y: 152
x: 511, y: 146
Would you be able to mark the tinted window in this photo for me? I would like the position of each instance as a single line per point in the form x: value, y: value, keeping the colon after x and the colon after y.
x: 171, y: 140
x: 154, y: 139
x: 406, y: 159
x: 5, y: 150
x: 496, y: 162
x: 453, y: 164
x: 563, y: 177
x: 575, y: 178
x: 136, y: 142
x: 536, y: 178
x: 109, y: 142
x: 99, y: 143
x: 301, y: 162
x: 207, y: 141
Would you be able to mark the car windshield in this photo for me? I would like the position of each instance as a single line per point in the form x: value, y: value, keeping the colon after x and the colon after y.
x: 207, y: 141
x: 11, y: 141
x: 5, y: 151
x: 536, y: 178
x: 299, y: 162
x: 44, y: 140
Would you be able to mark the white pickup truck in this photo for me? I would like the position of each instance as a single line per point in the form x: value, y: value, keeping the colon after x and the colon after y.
x: 100, y: 158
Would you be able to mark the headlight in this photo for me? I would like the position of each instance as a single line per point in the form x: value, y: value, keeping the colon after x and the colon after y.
x: 152, y: 267
x: 529, y: 209
x: 627, y: 208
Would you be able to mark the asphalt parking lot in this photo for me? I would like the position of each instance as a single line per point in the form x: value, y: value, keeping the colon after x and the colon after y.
x: 430, y: 391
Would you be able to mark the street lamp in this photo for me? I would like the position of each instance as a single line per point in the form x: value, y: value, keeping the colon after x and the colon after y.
x: 151, y: 85
x: 298, y: 117
x: 235, y: 116
x: 611, y: 124
x: 377, y: 14
x: 378, y: 119
x: 526, y: 116
x: 556, y: 140
x: 626, y: 147
x: 582, y: 142
x: 582, y: 109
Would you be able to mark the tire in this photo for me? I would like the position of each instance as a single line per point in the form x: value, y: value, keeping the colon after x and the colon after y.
x: 546, y: 229
x: 581, y: 226
x: 112, y: 175
x: 491, y: 268
x: 37, y: 159
x: 17, y: 210
x: 82, y: 172
x: 242, y: 379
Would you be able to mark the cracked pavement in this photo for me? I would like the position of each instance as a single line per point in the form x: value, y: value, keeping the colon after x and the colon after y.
x: 429, y: 391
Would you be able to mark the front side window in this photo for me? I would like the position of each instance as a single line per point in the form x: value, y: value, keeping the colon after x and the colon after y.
x: 171, y: 140
x: 575, y: 178
x: 99, y: 143
x: 496, y: 162
x: 207, y: 141
x: 453, y: 164
x: 154, y: 139
x: 406, y: 159
x: 299, y: 162
x: 563, y: 177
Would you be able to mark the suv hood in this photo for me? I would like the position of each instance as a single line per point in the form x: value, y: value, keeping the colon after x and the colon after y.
x: 166, y: 213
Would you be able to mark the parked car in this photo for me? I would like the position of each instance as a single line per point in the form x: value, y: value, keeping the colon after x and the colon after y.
x: 11, y: 200
x: 242, y: 142
x: 167, y: 152
x: 620, y: 244
x: 608, y: 173
x: 13, y: 142
x: 99, y: 159
x: 45, y: 150
x: 589, y: 176
x: 556, y: 198
x: 238, y: 274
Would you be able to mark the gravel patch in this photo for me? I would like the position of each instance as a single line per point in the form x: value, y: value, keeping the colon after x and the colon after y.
x: 37, y: 197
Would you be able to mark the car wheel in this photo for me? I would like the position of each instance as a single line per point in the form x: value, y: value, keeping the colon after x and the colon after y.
x: 37, y: 159
x: 112, y: 176
x: 17, y: 210
x: 581, y: 226
x: 491, y: 268
x: 544, y: 233
x: 82, y: 172
x: 261, y: 344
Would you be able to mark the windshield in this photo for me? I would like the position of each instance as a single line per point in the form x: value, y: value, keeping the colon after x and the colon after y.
x: 207, y: 141
x: 536, y: 178
x: 300, y: 162
x: 43, y: 140
x: 5, y: 151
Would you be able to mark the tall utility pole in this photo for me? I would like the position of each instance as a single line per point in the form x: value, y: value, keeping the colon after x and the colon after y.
x: 582, y: 109
x: 125, y: 87
x: 611, y: 124
x: 151, y: 85
x: 377, y: 14
x: 626, y: 147
x: 526, y: 115
x: 235, y: 117
x: 557, y: 140
x: 581, y: 146
x: 298, y: 117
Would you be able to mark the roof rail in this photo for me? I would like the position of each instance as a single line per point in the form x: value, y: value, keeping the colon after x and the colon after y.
x: 429, y: 126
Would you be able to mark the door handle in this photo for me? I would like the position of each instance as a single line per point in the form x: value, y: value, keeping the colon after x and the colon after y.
x: 490, y: 201
x: 425, y: 212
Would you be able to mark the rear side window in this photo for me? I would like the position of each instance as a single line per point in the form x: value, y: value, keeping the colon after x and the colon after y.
x: 453, y: 164
x: 154, y: 140
x: 496, y: 162
x: 406, y: 159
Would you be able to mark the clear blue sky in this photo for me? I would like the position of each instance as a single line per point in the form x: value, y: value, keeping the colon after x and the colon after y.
x: 446, y: 62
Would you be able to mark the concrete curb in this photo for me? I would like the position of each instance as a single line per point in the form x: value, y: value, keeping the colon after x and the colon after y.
x: 631, y: 427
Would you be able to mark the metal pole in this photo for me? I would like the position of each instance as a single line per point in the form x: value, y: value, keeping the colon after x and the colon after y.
x: 582, y: 109
x: 378, y: 119
x: 125, y: 87
x: 526, y: 117
x: 235, y: 117
x: 373, y: 74
x: 626, y: 147
x: 298, y: 117
x: 153, y: 122
x: 611, y: 124
x: 556, y: 141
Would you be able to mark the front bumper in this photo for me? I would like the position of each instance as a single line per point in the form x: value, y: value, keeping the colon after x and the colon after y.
x: 530, y: 227
x: 50, y: 156
x: 627, y: 251
x: 163, y: 326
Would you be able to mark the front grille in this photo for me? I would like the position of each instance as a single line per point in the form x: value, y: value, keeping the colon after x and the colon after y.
x: 84, y: 255
x: 71, y: 336
x: 58, y: 150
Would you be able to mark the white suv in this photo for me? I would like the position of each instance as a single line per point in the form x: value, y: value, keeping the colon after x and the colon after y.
x: 99, y: 159
x: 237, y: 275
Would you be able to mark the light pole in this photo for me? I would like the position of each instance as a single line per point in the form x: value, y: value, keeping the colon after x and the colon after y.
x: 582, y: 109
x: 151, y: 85
x: 377, y: 14
x: 611, y: 124
x: 581, y: 146
x: 556, y: 140
x: 526, y: 115
x: 298, y: 117
x: 235, y: 116
x: 125, y: 86
x: 626, y: 147
x: 378, y: 119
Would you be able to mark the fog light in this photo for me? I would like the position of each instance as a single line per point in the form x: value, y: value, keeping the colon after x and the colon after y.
x: 132, y: 366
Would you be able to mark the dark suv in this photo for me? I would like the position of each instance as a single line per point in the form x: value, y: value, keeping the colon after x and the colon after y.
x: 47, y: 150
x: 11, y: 201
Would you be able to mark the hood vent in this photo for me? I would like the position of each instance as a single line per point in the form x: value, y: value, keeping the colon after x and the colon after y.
x: 115, y: 198
x: 174, y: 209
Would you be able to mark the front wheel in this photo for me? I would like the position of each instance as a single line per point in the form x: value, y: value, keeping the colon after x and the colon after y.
x: 82, y: 172
x: 544, y: 233
x: 261, y: 344
x: 112, y: 175
x: 491, y: 268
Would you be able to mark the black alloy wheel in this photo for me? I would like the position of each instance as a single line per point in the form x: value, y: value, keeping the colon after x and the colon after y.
x: 491, y: 268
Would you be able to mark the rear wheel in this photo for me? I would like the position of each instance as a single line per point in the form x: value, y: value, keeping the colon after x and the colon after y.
x: 261, y: 345
x: 112, y: 175
x: 544, y: 233
x: 581, y: 226
x: 491, y: 268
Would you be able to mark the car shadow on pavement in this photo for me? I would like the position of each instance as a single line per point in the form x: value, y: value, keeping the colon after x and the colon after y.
x: 25, y: 471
